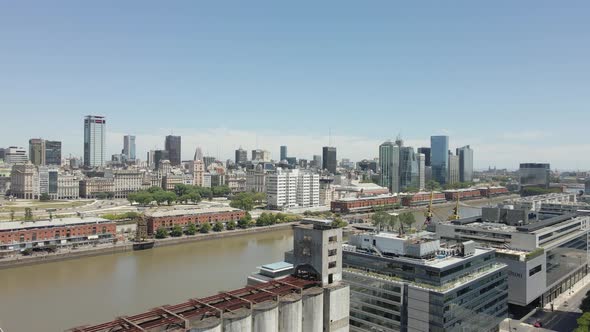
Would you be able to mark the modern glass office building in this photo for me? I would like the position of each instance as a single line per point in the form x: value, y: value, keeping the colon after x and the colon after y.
x: 329, y: 159
x: 408, y: 168
x: 389, y: 164
x: 439, y: 158
x: 532, y: 174
x: 173, y: 145
x: 443, y: 290
x: 465, y: 155
x: 94, y: 141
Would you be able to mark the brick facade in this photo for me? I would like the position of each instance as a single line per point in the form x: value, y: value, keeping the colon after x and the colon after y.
x: 153, y: 223
x: 365, y: 203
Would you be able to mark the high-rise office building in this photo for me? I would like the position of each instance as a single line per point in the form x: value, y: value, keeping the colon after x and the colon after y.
x: 42, y: 152
x: 129, y: 147
x: 37, y: 151
x: 465, y: 155
x: 426, y: 152
x: 2, y: 153
x: 409, y: 176
x: 15, y: 155
x: 241, y: 156
x: 94, y: 141
x: 172, y: 145
x: 160, y: 155
x: 283, y: 152
x: 439, y: 158
x: 329, y: 159
x: 198, y: 168
x: 421, y: 171
x: 53, y: 153
x: 317, y: 161
x: 534, y: 174
x: 208, y: 160
x: 454, y: 173
x: 389, y: 164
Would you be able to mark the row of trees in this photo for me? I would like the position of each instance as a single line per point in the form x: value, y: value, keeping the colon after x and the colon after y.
x: 385, y: 221
x: 247, y: 200
x: 182, y: 194
x: 584, y: 320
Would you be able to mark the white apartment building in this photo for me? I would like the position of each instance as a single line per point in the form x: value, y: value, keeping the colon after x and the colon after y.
x: 292, y: 188
x: 24, y: 180
x: 127, y: 181
x: 256, y: 180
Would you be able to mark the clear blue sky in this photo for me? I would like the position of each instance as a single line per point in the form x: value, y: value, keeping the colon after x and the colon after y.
x: 509, y: 77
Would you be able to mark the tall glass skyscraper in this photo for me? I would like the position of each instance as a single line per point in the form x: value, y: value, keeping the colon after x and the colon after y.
x: 283, y: 153
x: 129, y: 147
x: 389, y: 163
x: 94, y: 141
x: 408, y: 168
x: 465, y: 155
x: 439, y: 158
x: 172, y: 145
x: 329, y: 159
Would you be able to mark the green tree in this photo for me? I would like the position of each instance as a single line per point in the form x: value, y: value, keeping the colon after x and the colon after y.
x: 432, y: 185
x: 210, y: 195
x: 28, y: 214
x: 11, y: 215
x: 583, y: 323
x: 408, y: 219
x: 205, y: 228
x: 191, y: 229
x: 194, y: 197
x: 339, y: 223
x: 161, y: 233
x: 218, y: 227
x: 154, y: 189
x: 27, y: 252
x: 244, y: 201
x: 44, y: 197
x: 231, y: 225
x: 381, y: 220
x: 176, y: 231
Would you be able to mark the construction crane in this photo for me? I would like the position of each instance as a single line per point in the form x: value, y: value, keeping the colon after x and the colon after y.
x: 455, y: 215
x: 429, y: 214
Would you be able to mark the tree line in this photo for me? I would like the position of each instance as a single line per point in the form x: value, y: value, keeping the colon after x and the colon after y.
x: 182, y: 193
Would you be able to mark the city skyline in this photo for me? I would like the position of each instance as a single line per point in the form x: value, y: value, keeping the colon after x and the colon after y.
x: 366, y: 73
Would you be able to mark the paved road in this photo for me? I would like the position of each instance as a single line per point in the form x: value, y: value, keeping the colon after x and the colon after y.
x: 563, y: 319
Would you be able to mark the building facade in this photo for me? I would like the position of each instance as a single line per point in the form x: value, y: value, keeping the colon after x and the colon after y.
x: 15, y: 155
x: 241, y: 157
x: 400, y: 283
x: 59, y: 232
x: 169, y: 219
x: 173, y: 146
x: 94, y: 141
x: 24, y: 181
x: 329, y: 161
x: 534, y: 174
x: 389, y: 164
x: 454, y: 171
x: 439, y: 158
x: 284, y: 154
x: 292, y: 188
x: 129, y: 147
x: 426, y: 152
x: 465, y: 155
x: 37, y: 151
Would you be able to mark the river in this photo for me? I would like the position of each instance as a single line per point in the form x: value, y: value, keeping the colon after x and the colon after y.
x: 61, y: 295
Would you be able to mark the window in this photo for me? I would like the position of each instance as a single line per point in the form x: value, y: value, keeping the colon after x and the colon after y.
x: 332, y: 265
x: 332, y: 252
x: 535, y: 270
x: 332, y: 238
x: 104, y: 229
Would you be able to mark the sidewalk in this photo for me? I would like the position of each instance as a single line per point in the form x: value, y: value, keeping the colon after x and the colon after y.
x: 560, y: 301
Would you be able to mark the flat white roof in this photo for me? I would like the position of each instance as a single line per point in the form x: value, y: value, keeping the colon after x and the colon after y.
x: 49, y: 223
x: 171, y: 213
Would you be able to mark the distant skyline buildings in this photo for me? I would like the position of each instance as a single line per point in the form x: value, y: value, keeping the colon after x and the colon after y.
x: 284, y: 154
x: 465, y: 155
x: 95, y: 141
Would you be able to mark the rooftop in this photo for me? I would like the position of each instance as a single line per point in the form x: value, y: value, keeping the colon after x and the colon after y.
x: 10, y: 225
x: 278, y: 266
x: 348, y: 199
x: 183, y: 212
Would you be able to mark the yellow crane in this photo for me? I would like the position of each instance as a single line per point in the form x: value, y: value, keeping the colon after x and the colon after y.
x: 455, y: 215
x: 429, y: 214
